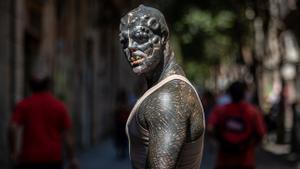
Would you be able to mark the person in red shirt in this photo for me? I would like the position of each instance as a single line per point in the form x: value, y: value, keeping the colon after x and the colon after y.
x: 44, y: 122
x: 242, y: 155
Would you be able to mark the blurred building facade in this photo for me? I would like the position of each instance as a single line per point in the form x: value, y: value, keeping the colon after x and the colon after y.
x: 277, y: 59
x: 76, y: 43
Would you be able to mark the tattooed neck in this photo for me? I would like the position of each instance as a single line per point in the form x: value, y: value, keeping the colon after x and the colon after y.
x: 166, y: 69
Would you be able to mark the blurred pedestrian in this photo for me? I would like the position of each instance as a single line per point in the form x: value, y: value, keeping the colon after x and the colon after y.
x: 238, y: 127
x: 223, y: 98
x: 44, y: 122
x: 122, y: 112
x: 208, y: 102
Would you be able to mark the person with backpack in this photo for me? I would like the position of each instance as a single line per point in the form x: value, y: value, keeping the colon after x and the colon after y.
x: 238, y: 127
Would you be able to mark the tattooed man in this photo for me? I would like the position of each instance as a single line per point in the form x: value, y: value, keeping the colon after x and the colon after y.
x: 165, y: 128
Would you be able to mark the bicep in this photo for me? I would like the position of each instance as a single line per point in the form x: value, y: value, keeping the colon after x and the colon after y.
x: 213, y: 120
x: 167, y: 133
x: 18, y: 118
x: 65, y: 122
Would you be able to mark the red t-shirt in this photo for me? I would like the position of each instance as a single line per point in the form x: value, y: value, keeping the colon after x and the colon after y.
x: 43, y: 119
x: 247, y: 158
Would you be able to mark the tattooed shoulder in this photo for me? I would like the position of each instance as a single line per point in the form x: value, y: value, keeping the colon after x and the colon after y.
x: 175, y: 103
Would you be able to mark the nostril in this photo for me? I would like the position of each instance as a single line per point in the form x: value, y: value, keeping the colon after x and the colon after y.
x: 132, y: 50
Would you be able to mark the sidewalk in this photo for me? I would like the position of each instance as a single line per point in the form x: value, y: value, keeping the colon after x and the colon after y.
x: 267, y: 160
x: 102, y: 156
x: 278, y: 155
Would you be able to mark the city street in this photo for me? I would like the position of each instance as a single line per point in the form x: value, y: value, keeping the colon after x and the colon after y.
x: 81, y: 65
x: 102, y: 156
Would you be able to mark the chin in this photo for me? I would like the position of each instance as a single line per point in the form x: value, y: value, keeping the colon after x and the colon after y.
x: 139, y: 70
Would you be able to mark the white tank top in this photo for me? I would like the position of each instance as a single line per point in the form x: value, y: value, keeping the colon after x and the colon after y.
x: 191, y: 154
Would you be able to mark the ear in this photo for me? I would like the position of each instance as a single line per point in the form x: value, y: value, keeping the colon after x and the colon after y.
x: 164, y: 37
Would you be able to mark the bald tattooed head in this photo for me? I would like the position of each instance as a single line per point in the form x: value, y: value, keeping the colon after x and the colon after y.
x: 144, y: 36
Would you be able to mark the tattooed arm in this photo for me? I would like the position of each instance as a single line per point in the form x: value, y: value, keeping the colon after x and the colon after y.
x: 167, y: 120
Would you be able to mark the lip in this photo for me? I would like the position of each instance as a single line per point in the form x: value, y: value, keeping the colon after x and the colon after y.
x: 137, y: 58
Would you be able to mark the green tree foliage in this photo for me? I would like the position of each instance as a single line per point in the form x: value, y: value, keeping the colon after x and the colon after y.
x: 205, y: 32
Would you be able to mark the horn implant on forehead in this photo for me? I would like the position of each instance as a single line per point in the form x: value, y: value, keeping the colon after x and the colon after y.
x: 129, y: 17
x: 145, y: 17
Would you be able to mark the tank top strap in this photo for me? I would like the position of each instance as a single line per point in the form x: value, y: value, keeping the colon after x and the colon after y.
x: 153, y: 89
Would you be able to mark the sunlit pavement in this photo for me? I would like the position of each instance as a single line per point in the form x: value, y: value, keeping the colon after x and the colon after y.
x: 103, y: 156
